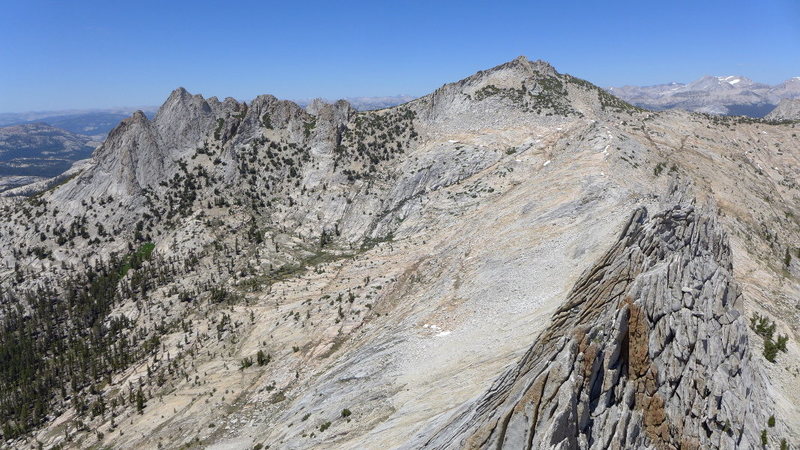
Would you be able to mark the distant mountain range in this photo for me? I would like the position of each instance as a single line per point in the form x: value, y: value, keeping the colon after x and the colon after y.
x: 32, y: 151
x: 46, y: 143
x: 728, y: 95
x: 94, y: 123
x: 369, y: 103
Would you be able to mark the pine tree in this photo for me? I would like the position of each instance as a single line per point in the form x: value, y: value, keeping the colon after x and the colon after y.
x: 262, y: 358
x: 139, y: 401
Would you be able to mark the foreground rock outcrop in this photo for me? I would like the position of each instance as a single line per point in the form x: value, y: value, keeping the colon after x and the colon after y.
x: 649, y: 351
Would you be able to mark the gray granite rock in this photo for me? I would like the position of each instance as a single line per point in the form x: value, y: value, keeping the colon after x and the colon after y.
x: 787, y: 109
x: 648, y: 351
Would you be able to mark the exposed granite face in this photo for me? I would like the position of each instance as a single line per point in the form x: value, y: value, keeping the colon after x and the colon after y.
x: 649, y: 351
x: 332, y: 148
x: 458, y: 222
x: 183, y: 120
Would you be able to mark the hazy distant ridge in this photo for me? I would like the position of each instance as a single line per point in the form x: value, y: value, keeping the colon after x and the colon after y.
x: 727, y: 95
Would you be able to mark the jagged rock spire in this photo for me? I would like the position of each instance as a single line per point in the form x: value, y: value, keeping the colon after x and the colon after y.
x: 649, y: 351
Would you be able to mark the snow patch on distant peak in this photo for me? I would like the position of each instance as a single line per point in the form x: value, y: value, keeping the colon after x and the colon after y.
x: 731, y: 79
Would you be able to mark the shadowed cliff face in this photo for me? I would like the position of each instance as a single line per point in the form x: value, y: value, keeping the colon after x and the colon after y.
x: 649, y: 351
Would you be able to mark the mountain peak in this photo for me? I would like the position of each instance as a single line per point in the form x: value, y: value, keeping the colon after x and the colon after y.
x: 181, y: 95
x: 179, y: 92
x: 182, y: 119
x: 526, y: 66
x: 139, y: 115
x: 735, y: 80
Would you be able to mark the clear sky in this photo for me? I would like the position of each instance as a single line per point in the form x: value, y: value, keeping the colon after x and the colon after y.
x: 86, y: 53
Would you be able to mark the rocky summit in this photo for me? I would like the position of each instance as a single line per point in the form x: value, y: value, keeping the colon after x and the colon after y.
x: 519, y: 259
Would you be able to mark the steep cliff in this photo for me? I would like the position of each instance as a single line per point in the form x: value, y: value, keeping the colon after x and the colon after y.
x: 650, y: 350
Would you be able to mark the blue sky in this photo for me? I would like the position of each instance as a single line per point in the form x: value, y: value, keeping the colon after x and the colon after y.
x: 85, y: 53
